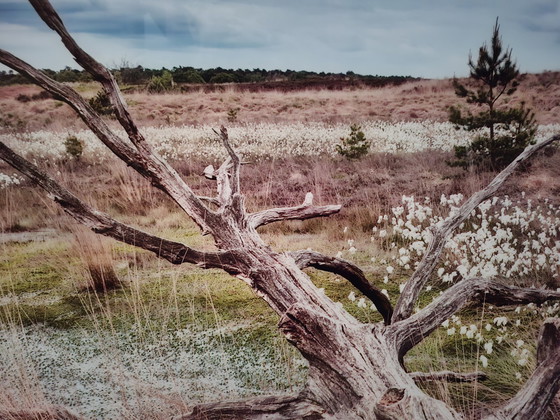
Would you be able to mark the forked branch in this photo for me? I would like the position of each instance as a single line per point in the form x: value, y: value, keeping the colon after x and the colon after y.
x: 413, y: 287
x: 103, y: 224
x: 65, y: 93
x: 475, y: 291
x: 350, y: 272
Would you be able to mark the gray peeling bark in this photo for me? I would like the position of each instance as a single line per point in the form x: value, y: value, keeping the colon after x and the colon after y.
x: 355, y: 370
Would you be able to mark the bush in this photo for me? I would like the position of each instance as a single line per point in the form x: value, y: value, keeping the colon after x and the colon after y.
x: 232, y: 115
x: 354, y: 146
x: 74, y: 147
x: 23, y: 98
x: 160, y: 84
x: 101, y: 103
x: 223, y: 78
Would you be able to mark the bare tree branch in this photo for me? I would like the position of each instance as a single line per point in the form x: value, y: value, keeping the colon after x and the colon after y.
x: 531, y: 402
x: 441, y: 234
x: 102, y: 223
x: 63, y: 92
x: 477, y: 291
x: 99, y: 72
x: 146, y: 162
x: 273, y: 408
x: 350, y: 272
x: 235, y: 161
x: 304, y: 211
x: 448, y: 376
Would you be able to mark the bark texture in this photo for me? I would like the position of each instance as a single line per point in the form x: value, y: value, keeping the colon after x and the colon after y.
x: 355, y: 370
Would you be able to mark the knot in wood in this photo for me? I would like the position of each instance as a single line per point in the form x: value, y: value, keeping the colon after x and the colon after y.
x: 392, y: 396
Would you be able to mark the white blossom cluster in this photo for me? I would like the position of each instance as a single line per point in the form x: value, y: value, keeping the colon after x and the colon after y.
x: 260, y: 140
x: 517, y: 240
x: 500, y: 238
x: 9, y: 180
x: 502, y: 331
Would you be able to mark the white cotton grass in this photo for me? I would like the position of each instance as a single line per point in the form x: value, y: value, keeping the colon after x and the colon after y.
x: 501, y: 237
x: 260, y: 140
x: 514, y: 239
x: 9, y: 180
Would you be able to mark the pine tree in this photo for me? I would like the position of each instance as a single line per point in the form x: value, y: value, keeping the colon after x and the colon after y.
x: 502, y: 133
x: 355, y: 146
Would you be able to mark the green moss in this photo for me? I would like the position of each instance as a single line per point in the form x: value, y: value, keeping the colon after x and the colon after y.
x: 64, y: 313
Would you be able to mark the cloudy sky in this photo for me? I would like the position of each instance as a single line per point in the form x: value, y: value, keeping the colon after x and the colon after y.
x: 423, y: 38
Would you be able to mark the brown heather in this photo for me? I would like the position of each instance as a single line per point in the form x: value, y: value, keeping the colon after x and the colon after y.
x: 417, y: 100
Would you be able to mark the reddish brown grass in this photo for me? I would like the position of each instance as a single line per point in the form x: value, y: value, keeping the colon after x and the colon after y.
x: 417, y: 100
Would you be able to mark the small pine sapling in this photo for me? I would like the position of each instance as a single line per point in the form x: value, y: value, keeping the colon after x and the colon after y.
x: 355, y: 146
x: 502, y: 133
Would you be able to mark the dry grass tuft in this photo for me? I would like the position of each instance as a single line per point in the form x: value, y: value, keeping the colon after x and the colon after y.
x: 96, y: 255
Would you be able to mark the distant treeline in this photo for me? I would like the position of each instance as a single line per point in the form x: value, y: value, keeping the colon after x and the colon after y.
x: 273, y: 79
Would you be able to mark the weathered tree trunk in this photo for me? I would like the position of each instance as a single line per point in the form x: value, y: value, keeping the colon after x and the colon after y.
x: 356, y: 370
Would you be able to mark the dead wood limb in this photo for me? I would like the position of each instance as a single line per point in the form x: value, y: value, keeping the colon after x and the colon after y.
x: 273, y: 408
x: 304, y: 211
x: 441, y: 233
x: 448, y: 376
x: 350, y: 272
x: 103, y: 224
x: 477, y: 291
x: 144, y: 160
x: 533, y: 399
x: 65, y: 93
x: 235, y: 161
x: 99, y: 72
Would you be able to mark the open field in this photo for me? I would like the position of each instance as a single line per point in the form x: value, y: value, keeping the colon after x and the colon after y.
x: 174, y: 335
x: 414, y: 101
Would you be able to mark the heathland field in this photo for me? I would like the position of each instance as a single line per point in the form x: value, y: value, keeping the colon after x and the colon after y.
x: 159, y: 337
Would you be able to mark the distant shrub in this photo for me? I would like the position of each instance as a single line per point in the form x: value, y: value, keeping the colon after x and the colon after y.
x: 132, y: 75
x: 191, y: 76
x: 74, y: 147
x: 35, y: 97
x: 23, y: 98
x: 101, y: 103
x: 355, y: 146
x: 42, y: 95
x: 232, y: 115
x: 223, y: 78
x: 159, y: 84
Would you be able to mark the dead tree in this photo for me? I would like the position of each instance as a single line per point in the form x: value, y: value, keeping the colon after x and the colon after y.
x: 356, y: 370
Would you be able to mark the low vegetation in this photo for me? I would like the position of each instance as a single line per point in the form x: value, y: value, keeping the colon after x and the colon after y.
x: 212, y: 328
